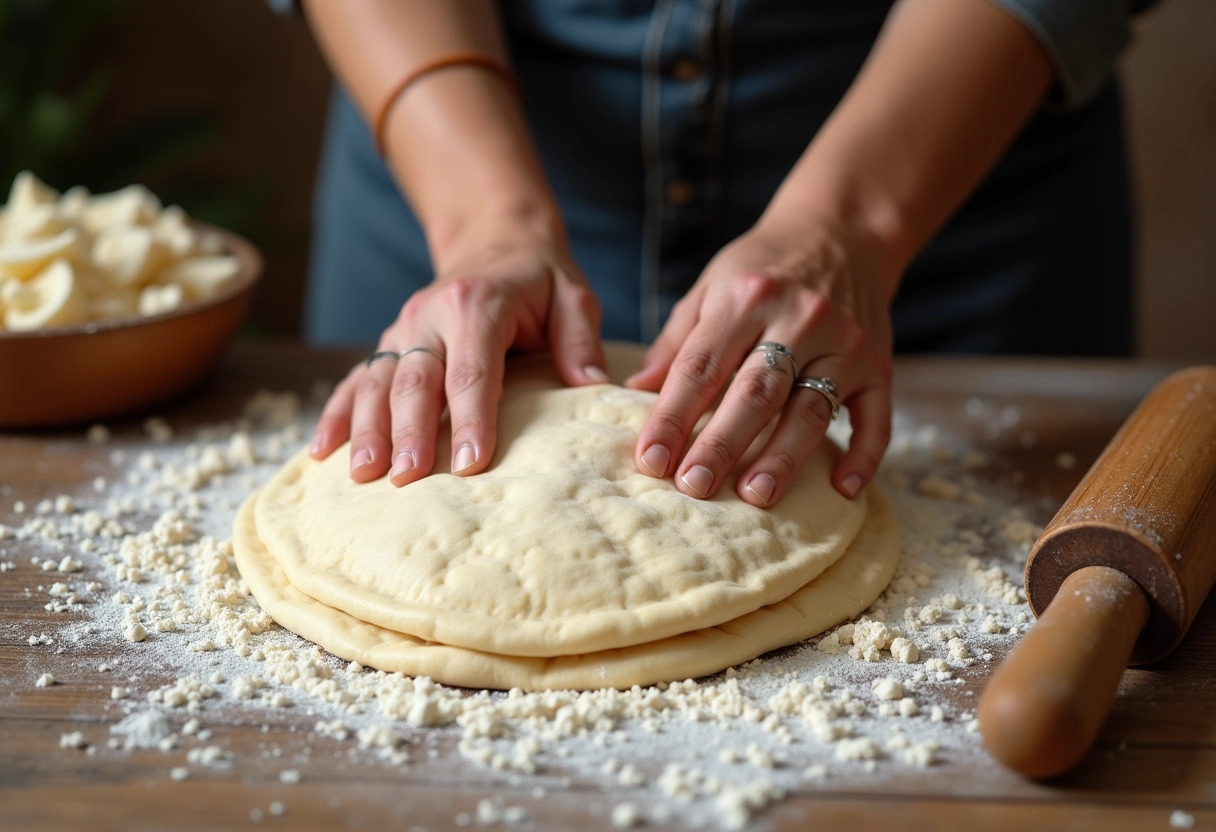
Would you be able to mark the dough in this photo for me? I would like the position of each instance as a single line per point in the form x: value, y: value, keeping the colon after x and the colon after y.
x: 560, y: 565
x: 842, y: 591
x: 561, y: 546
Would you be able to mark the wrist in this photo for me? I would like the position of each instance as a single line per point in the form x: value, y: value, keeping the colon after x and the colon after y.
x: 865, y: 229
x: 861, y: 213
x: 500, y: 217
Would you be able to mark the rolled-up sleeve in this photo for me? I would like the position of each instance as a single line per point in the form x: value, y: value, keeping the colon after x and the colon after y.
x: 1083, y: 38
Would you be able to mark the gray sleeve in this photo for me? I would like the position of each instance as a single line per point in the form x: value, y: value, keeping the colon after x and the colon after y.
x: 1083, y: 38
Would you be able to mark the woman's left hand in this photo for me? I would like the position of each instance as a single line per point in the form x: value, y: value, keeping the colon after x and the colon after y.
x: 817, y: 291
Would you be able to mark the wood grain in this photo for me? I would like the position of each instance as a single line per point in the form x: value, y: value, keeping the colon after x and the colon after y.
x: 1156, y: 753
x: 1146, y: 508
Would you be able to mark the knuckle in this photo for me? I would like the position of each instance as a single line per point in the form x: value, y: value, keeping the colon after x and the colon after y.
x: 719, y: 448
x: 470, y: 428
x: 856, y: 340
x: 366, y: 438
x: 701, y: 368
x: 369, y: 386
x: 754, y: 288
x: 813, y: 412
x: 760, y: 391
x: 589, y: 309
x: 585, y: 299
x: 668, y: 425
x: 413, y: 308
x: 411, y: 437
x: 786, y: 462
x: 812, y: 307
x: 461, y: 292
x: 466, y: 376
x: 408, y: 382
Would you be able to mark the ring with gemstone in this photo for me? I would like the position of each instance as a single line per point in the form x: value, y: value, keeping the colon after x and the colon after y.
x: 773, y: 352
x: 824, y: 387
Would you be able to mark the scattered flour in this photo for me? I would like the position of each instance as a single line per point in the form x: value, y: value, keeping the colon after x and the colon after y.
x: 143, y: 570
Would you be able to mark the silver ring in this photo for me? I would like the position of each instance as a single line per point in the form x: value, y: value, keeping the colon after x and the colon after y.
x: 386, y: 355
x: 824, y: 387
x: 427, y: 350
x: 380, y: 356
x: 773, y: 351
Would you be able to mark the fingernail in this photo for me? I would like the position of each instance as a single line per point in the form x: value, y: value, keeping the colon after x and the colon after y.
x: 404, y: 462
x: 699, y: 479
x: 762, y: 485
x: 362, y: 457
x: 317, y: 444
x: 466, y: 455
x: 596, y: 374
x: 655, y: 458
x: 851, y: 485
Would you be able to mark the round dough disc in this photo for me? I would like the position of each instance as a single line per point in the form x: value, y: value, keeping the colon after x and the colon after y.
x: 561, y: 547
x: 842, y: 591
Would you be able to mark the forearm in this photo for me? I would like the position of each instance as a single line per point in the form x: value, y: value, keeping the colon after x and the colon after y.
x: 455, y: 139
x: 945, y: 90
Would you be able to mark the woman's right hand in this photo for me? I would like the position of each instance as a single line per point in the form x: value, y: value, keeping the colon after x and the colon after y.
x: 501, y: 283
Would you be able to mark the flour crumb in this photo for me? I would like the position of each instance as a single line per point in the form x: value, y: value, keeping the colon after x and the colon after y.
x: 625, y: 816
x: 933, y: 485
x: 212, y: 756
x: 887, y: 688
x: 143, y: 730
x: 922, y: 754
x: 45, y: 681
x: 858, y: 749
x: 903, y: 650
x: 72, y: 740
x: 1182, y: 820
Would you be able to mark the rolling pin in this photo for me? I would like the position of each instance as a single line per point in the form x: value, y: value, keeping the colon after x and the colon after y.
x: 1115, y: 579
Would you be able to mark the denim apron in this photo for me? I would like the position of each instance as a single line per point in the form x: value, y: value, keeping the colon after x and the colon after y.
x: 665, y: 126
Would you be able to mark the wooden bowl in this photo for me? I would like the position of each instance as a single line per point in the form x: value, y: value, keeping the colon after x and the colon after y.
x: 99, y: 370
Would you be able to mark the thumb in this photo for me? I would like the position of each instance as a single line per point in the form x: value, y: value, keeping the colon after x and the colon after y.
x: 574, y: 334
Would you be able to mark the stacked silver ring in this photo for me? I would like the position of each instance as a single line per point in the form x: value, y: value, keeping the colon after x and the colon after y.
x: 824, y: 387
x: 773, y: 352
x: 389, y: 355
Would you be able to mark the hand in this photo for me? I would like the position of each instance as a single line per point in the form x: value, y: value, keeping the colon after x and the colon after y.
x: 500, y: 285
x: 810, y: 287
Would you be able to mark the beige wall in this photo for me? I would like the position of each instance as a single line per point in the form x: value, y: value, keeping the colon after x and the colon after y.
x: 263, y: 73
x: 1170, y: 74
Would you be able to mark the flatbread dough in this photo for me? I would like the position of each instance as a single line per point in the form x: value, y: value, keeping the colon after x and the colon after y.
x: 561, y: 565
x: 842, y: 591
x: 561, y: 546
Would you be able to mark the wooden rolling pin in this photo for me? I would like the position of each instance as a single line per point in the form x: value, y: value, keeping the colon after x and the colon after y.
x: 1116, y: 578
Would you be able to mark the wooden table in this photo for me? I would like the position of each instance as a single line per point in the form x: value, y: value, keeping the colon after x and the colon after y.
x: 1156, y: 754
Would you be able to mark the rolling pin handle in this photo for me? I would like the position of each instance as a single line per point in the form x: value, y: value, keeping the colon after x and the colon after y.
x: 1045, y: 704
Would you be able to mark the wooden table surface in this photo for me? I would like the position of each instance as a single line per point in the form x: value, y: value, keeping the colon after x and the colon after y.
x: 1156, y: 754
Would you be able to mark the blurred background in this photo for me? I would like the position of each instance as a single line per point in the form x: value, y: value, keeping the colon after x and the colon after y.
x: 219, y: 106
